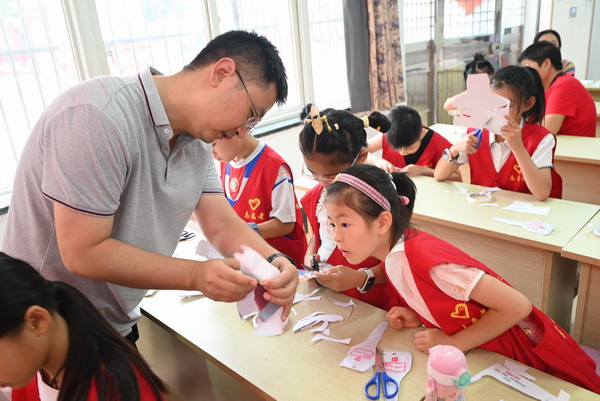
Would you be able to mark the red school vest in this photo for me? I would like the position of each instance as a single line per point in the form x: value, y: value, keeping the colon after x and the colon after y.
x: 31, y: 392
x: 254, y: 203
x: 380, y: 295
x: 510, y: 176
x: 557, y: 353
x: 430, y: 157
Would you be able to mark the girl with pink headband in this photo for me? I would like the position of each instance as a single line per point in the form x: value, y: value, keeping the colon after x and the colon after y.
x: 459, y: 300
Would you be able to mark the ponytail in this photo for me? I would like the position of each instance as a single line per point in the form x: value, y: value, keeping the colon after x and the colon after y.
x: 479, y: 65
x: 96, y: 351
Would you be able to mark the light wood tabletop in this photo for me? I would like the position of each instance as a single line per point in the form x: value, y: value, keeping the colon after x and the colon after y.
x: 585, y: 248
x: 530, y: 262
x: 488, y: 388
x: 285, y: 367
x: 577, y: 160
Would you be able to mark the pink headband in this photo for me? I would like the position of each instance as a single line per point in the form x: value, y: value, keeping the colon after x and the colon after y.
x: 365, y: 189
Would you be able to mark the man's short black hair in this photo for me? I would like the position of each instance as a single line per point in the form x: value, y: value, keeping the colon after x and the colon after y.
x: 541, y: 51
x: 256, y: 58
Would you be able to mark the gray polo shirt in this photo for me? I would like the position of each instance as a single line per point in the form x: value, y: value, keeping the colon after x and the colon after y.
x: 102, y: 148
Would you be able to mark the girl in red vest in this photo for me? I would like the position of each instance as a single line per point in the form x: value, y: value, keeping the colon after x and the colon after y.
x: 521, y: 156
x: 408, y: 146
x: 54, y: 345
x: 259, y: 186
x: 460, y: 301
x: 331, y: 141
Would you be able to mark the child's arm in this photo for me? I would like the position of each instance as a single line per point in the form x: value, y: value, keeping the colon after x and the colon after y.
x: 538, y: 180
x: 445, y: 169
x: 506, y: 307
x: 376, y: 143
x: 399, y: 317
x: 311, y: 249
x: 414, y: 169
x: 275, y: 228
x: 553, y: 122
x: 342, y: 278
x: 449, y: 104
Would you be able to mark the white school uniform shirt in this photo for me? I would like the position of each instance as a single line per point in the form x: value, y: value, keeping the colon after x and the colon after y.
x: 542, y: 157
x: 456, y: 281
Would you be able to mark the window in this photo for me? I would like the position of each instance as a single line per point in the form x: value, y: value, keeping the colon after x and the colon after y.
x: 36, y: 64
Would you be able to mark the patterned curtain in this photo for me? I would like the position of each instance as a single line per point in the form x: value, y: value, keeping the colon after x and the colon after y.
x: 386, y: 75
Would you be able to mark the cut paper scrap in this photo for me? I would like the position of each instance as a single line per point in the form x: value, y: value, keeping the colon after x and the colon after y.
x: 534, y: 226
x: 514, y: 375
x: 307, y: 297
x: 269, y: 315
x: 185, y: 294
x: 335, y: 340
x: 206, y: 250
x: 477, y: 105
x: 344, y: 304
x: 397, y: 365
x: 322, y: 328
x: 315, y: 318
x: 527, y: 207
x: 362, y: 356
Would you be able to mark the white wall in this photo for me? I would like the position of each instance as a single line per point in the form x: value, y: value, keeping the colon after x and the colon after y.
x: 574, y: 32
x: 594, y: 58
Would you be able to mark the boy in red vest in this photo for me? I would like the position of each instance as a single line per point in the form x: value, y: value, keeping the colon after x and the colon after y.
x: 408, y: 146
x: 259, y: 185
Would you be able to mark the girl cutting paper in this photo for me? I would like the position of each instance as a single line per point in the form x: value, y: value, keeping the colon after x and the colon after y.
x: 460, y: 301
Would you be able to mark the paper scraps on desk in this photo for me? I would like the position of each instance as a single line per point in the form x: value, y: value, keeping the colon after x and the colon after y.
x: 307, y: 297
x: 315, y: 318
x: 397, y: 365
x: 514, y: 375
x: 186, y: 294
x: 206, y: 250
x: 362, y: 356
x: 526, y: 207
x: 269, y: 314
x: 534, y: 226
x: 335, y: 340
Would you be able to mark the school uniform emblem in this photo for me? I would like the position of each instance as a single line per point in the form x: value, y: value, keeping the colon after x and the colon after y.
x: 234, y: 184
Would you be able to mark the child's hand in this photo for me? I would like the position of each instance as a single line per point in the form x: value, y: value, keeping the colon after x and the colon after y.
x: 429, y: 338
x: 341, y: 278
x: 511, y: 133
x: 413, y: 169
x: 386, y: 166
x: 467, y: 144
x: 399, y: 317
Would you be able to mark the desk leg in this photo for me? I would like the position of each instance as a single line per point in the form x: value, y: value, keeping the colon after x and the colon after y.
x: 586, y: 329
x: 559, y: 294
x: 186, y: 371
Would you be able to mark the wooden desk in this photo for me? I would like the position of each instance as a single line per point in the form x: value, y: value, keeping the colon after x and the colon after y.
x: 585, y: 248
x: 593, y: 87
x: 577, y: 160
x: 488, y: 388
x: 204, y: 350
x: 530, y: 262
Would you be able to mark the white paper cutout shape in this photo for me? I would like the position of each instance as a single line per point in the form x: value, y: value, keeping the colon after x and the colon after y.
x: 478, y: 104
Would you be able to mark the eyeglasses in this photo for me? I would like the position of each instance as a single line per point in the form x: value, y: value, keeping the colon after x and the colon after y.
x: 253, y: 120
x: 324, y: 178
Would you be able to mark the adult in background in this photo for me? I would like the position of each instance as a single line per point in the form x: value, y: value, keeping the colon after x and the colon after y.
x: 570, y: 109
x: 115, y: 166
x: 550, y: 35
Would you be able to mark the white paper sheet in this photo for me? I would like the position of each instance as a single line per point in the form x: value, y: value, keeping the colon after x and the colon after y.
x: 335, y: 340
x: 527, y: 207
x: 362, y: 356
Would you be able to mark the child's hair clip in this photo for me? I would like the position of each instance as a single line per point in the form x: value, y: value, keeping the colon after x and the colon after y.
x: 324, y: 118
x: 404, y: 200
x: 315, y: 119
x: 365, y: 120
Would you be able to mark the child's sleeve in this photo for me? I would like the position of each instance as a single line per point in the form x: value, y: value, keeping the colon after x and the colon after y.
x: 456, y: 281
x: 542, y: 157
x: 282, y: 198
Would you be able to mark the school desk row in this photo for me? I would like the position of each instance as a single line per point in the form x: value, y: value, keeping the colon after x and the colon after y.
x: 577, y: 160
x: 205, y: 351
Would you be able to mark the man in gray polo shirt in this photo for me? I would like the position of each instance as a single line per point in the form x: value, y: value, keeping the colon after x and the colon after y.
x: 115, y: 166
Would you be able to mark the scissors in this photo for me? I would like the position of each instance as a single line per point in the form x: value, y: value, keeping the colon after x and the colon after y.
x: 477, y: 133
x: 381, y: 380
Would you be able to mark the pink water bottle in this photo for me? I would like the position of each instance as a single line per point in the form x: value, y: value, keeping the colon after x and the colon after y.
x: 447, y: 374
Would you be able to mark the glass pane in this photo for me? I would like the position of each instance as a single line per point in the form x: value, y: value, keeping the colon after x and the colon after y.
x: 270, y: 18
x: 164, y: 34
x: 36, y: 64
x: 419, y: 20
x: 468, y: 18
x: 328, y: 53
